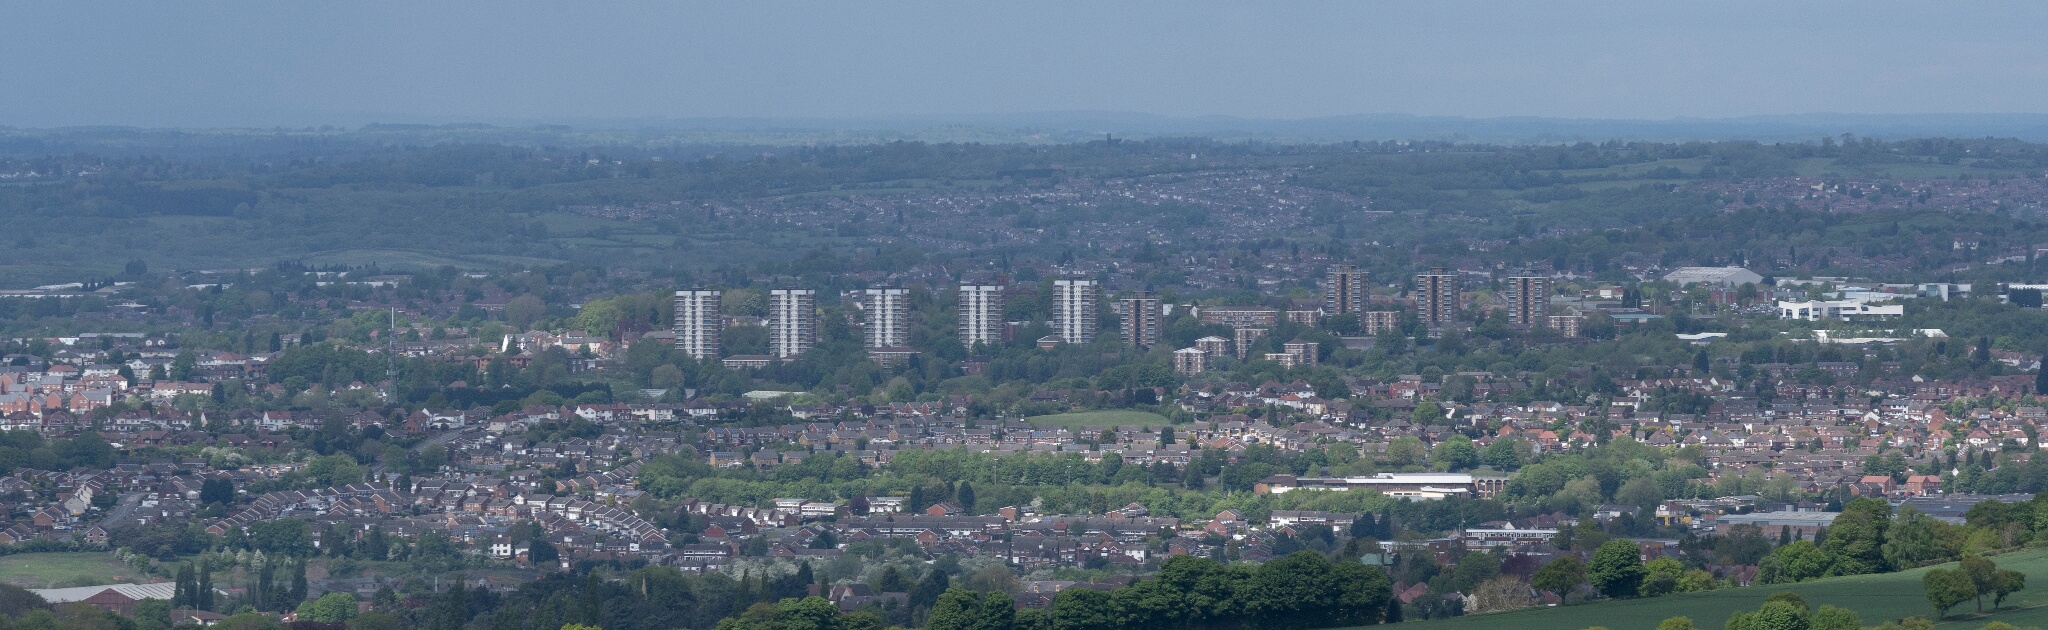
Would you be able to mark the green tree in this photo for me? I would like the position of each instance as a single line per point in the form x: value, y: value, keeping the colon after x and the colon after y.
x: 1661, y: 577
x: 1797, y: 561
x: 1913, y: 540
x: 1983, y: 574
x: 541, y: 553
x: 183, y: 364
x: 1855, y: 542
x: 1456, y: 453
x: 335, y: 470
x: 152, y: 614
x: 248, y: 621
x: 1779, y: 615
x: 1083, y: 609
x: 1676, y: 623
x: 1945, y: 588
x: 1504, y: 454
x: 957, y: 609
x: 1617, y: 569
x: 2005, y: 583
x: 1560, y: 576
x: 1407, y: 450
x: 965, y: 496
x: 998, y: 612
x: 1835, y: 618
x: 1427, y: 413
x: 329, y: 608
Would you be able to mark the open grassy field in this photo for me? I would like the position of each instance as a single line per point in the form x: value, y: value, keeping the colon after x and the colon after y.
x: 1098, y: 419
x: 59, y: 569
x: 1875, y: 597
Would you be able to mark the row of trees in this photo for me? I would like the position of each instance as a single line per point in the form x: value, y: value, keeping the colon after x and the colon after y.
x: 1869, y: 537
x: 1976, y: 578
x: 1296, y: 592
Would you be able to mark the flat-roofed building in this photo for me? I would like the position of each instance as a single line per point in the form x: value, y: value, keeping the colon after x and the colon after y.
x: 887, y: 312
x: 1245, y: 337
x: 1415, y: 486
x: 1346, y: 291
x: 1528, y: 300
x: 1141, y: 319
x: 981, y: 314
x: 698, y: 323
x: 1437, y: 296
x: 1074, y: 310
x: 1722, y: 276
x: 1307, y: 352
x: 1372, y: 323
x: 1238, y: 316
x: 792, y: 322
x: 1802, y: 525
x: 1567, y: 325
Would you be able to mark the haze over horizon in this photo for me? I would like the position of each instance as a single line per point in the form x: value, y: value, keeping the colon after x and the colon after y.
x: 222, y: 63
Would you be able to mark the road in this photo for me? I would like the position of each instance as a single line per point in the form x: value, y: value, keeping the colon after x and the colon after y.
x: 123, y: 512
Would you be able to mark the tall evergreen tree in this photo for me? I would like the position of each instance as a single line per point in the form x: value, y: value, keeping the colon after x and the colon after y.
x: 182, y: 595
x: 965, y: 495
x: 590, y: 600
x: 298, y: 592
x: 454, y: 609
x: 265, y: 577
x: 203, y: 595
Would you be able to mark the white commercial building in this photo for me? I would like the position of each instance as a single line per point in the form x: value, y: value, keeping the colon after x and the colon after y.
x: 1852, y: 309
x: 1724, y: 276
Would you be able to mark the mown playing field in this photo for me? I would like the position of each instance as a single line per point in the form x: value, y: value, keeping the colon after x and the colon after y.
x: 1876, y: 597
x: 60, y: 569
x: 1099, y: 419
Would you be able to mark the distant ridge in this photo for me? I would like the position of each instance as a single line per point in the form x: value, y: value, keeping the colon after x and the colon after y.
x: 1514, y: 130
x: 1083, y: 126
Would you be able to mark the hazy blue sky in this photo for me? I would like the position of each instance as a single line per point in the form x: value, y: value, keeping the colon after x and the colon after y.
x: 202, y: 62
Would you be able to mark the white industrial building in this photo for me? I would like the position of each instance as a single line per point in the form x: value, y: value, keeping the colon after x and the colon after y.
x: 1723, y: 276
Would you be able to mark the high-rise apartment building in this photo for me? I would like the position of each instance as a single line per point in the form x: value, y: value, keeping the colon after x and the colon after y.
x: 1141, y: 319
x: 1347, y: 291
x: 1528, y: 300
x: 1073, y: 307
x: 1190, y: 361
x: 888, y: 317
x: 698, y: 322
x: 1213, y: 346
x: 1245, y: 338
x: 981, y: 314
x: 792, y: 322
x: 1436, y: 296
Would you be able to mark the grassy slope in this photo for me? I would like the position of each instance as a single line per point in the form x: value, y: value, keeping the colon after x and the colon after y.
x: 1875, y: 597
x: 1098, y: 419
x: 56, y: 569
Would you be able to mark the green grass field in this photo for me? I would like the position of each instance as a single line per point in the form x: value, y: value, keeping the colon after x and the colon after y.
x: 1098, y: 419
x: 60, y: 569
x: 1876, y: 598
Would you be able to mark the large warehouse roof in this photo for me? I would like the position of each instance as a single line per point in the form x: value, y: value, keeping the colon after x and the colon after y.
x: 1712, y: 275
